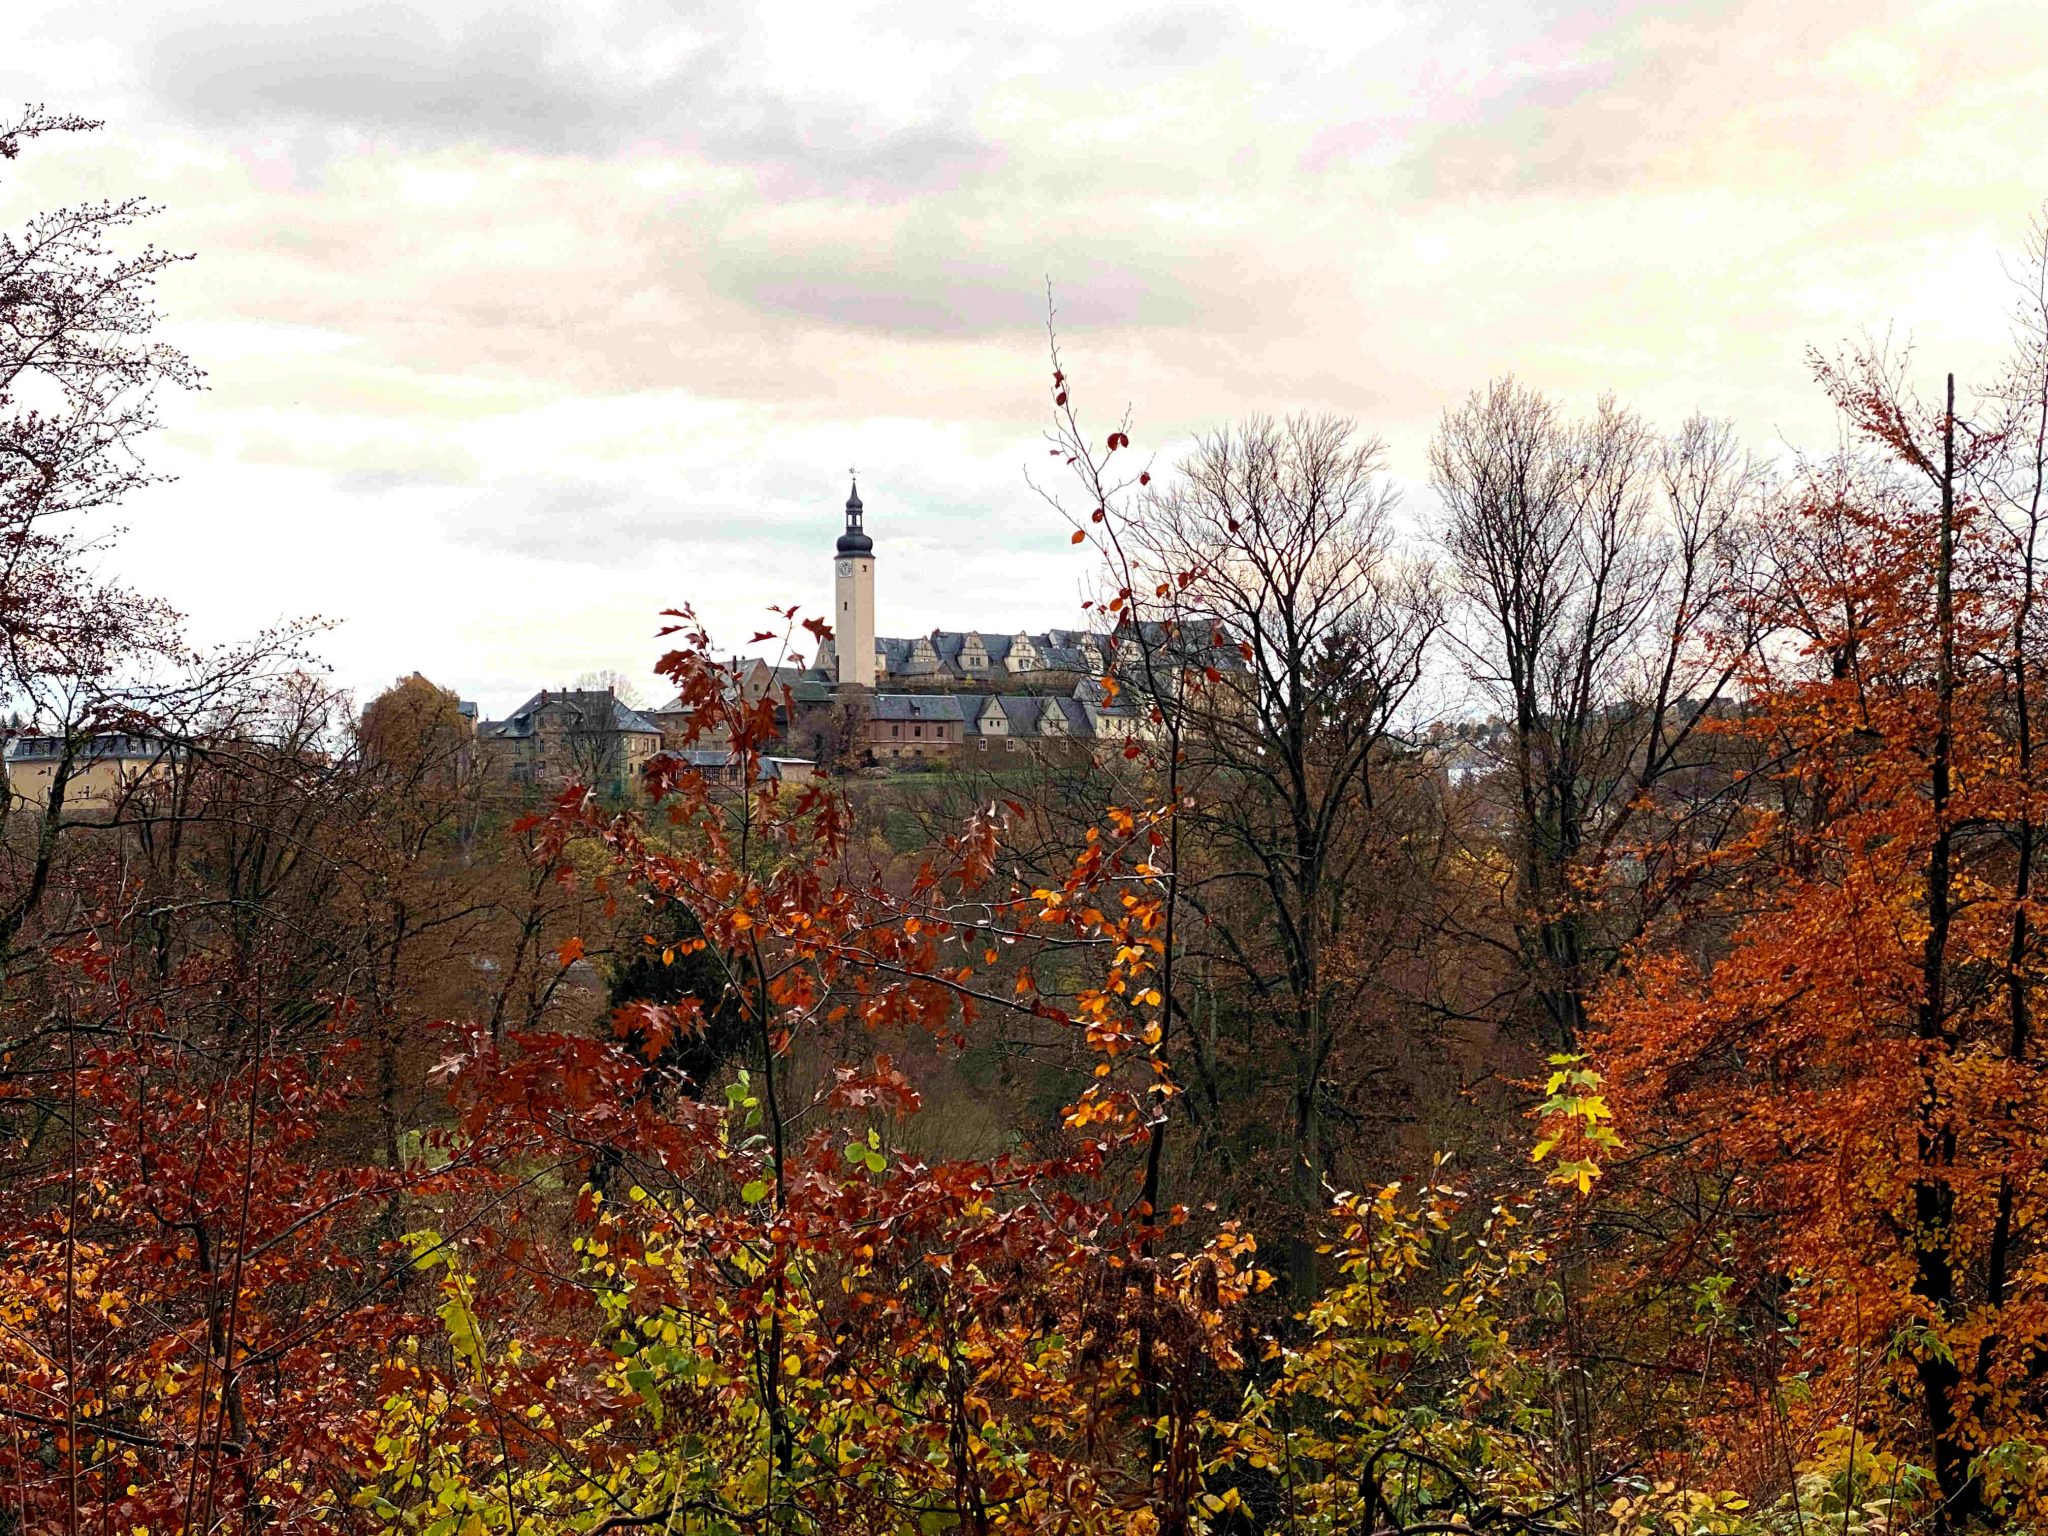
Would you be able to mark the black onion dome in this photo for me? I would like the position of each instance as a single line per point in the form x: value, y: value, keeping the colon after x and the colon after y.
x: 855, y: 540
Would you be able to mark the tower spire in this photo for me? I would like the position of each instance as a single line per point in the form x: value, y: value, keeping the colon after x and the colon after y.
x: 855, y: 540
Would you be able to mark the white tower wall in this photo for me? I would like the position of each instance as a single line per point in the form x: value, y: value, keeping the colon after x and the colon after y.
x: 853, y: 618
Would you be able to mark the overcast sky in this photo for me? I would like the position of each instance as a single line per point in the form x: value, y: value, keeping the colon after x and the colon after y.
x: 525, y: 320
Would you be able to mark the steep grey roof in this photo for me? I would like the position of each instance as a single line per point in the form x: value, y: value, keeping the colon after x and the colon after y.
x: 1079, y: 721
x: 916, y: 706
x: 1025, y: 714
x: 596, y: 709
x: 108, y: 745
x: 1058, y: 650
x: 973, y: 706
x: 938, y: 654
x: 1023, y: 710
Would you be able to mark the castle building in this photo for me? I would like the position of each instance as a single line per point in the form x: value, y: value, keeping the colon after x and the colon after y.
x: 948, y: 661
x: 955, y: 695
x: 954, y: 692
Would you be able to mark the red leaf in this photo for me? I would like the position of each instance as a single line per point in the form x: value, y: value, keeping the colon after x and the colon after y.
x: 570, y: 952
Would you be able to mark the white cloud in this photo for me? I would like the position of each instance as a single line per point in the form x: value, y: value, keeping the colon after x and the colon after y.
x: 524, y: 321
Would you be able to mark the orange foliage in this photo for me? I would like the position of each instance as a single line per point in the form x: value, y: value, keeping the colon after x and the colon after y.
x: 1835, y: 1020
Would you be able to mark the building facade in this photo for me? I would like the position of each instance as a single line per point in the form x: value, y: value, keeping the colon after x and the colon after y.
x: 588, y: 736
x: 908, y: 726
x: 100, y: 772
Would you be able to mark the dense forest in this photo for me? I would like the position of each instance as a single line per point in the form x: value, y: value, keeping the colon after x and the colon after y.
x: 1537, y: 1035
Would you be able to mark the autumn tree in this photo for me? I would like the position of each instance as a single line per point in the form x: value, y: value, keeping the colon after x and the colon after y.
x: 1852, y: 1054
x: 1278, y: 538
x: 797, y: 1320
x: 1598, y: 567
x: 195, y: 1280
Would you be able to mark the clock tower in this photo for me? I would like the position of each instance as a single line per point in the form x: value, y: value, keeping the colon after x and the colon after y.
x: 853, y: 599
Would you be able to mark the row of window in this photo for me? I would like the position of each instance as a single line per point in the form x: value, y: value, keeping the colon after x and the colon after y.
x: 980, y: 742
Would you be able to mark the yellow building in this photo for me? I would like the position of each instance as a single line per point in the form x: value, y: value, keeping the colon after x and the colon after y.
x: 100, y: 772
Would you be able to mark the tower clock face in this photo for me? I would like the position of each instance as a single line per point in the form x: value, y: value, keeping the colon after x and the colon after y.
x: 846, y: 567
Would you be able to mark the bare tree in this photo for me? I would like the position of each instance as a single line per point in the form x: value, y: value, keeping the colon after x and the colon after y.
x: 1282, y: 530
x: 79, y: 371
x: 628, y: 692
x: 2018, y: 493
x: 1595, y: 563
